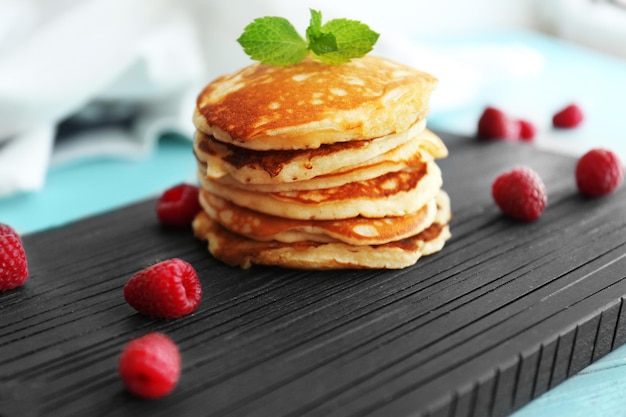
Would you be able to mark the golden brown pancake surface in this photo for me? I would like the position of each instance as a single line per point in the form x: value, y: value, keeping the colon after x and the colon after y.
x: 306, y: 105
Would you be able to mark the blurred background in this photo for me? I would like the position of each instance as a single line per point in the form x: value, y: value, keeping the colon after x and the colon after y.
x: 96, y: 96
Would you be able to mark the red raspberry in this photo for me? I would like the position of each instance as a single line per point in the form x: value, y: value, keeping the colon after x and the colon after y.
x: 495, y: 124
x: 168, y: 289
x: 150, y: 366
x: 571, y: 116
x: 527, y: 130
x: 598, y: 172
x: 178, y: 205
x: 520, y: 194
x: 13, y: 264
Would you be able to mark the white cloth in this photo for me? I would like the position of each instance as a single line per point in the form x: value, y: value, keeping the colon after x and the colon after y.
x: 58, y: 55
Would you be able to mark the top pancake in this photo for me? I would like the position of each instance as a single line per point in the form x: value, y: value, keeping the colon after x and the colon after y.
x: 303, y: 106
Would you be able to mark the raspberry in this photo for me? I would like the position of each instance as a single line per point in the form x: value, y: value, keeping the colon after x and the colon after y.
x: 168, y: 289
x: 150, y: 366
x: 598, y: 172
x: 495, y: 124
x: 520, y: 194
x: 571, y: 116
x: 178, y: 205
x: 527, y: 130
x: 13, y: 264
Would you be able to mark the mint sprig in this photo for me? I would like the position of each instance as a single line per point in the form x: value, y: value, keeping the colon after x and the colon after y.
x: 274, y: 40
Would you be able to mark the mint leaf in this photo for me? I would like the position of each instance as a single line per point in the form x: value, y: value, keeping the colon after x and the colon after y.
x: 273, y: 40
x: 315, y: 25
x: 323, y: 44
x: 319, y: 42
x: 354, y: 40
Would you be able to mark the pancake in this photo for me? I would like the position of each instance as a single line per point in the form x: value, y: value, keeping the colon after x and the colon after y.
x: 284, y: 167
x: 237, y: 250
x: 392, y: 194
x: 304, y: 106
x: 319, y: 166
x: 392, y: 161
x: 355, y: 231
x: 375, y: 168
x: 279, y: 166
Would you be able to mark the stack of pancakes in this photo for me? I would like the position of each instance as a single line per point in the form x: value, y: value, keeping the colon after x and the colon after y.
x: 319, y: 166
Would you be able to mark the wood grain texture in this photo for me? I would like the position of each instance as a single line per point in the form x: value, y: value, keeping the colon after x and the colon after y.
x: 505, y: 312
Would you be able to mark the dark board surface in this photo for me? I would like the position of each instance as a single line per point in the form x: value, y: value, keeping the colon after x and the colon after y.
x: 506, y: 311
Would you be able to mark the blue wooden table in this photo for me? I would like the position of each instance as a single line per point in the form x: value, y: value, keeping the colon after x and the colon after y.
x: 568, y: 73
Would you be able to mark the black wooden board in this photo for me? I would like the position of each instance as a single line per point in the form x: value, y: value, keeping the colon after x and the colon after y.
x: 506, y: 311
